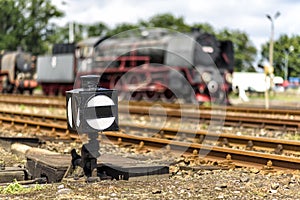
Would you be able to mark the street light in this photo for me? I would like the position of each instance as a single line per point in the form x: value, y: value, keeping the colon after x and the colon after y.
x: 271, y: 47
x: 286, y: 61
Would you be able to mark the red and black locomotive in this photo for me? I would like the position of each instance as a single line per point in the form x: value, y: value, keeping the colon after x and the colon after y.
x: 151, y: 64
x: 161, y: 65
x: 17, y: 72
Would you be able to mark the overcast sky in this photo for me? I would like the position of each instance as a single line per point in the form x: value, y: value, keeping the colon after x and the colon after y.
x: 245, y: 15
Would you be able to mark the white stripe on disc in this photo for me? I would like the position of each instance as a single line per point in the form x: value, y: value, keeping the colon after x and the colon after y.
x: 77, y: 119
x: 100, y: 100
x: 70, y: 118
x: 102, y: 123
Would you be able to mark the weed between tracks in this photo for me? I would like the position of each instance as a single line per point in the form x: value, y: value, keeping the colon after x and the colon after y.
x: 16, y: 188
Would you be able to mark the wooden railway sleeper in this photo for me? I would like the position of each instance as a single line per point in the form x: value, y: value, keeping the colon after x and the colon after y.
x: 268, y: 166
x: 262, y: 125
x: 25, y: 128
x: 119, y: 143
x: 278, y: 149
x: 249, y: 145
x: 224, y: 143
x: 12, y: 125
x: 284, y: 128
x: 140, y: 146
x: 38, y: 129
x: 53, y: 131
x: 228, y: 163
x: 240, y: 124
x: 161, y: 134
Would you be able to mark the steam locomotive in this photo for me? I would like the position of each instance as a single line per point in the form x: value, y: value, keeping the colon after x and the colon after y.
x: 151, y: 65
x: 17, y: 72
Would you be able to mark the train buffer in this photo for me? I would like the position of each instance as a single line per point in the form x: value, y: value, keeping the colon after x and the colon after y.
x: 53, y: 167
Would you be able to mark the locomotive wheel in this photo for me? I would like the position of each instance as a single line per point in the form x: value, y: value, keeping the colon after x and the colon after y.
x: 9, y: 88
x: 168, y: 96
x: 137, y: 96
x: 20, y: 90
x: 151, y: 96
x: 31, y: 91
x: 220, y: 98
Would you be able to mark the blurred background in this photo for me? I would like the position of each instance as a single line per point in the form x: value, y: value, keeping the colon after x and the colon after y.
x: 265, y: 34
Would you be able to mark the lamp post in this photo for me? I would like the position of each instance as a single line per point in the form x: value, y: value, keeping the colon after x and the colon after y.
x: 271, y: 47
x: 286, y: 61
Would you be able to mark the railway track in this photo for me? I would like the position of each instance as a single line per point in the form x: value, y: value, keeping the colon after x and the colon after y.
x: 273, y: 119
x: 50, y: 101
x: 56, y: 127
x: 221, y: 117
x: 42, y: 101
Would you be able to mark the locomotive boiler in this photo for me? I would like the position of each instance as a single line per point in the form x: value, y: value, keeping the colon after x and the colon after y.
x: 17, y: 72
x: 167, y: 66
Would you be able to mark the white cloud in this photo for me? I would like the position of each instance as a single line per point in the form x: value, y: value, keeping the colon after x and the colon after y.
x: 244, y: 15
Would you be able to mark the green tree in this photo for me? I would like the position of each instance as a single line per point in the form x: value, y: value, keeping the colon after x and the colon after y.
x: 281, y: 50
x: 11, y: 19
x: 25, y: 23
x: 205, y: 27
x: 97, y: 29
x: 244, y: 50
x: 166, y: 21
x: 120, y: 28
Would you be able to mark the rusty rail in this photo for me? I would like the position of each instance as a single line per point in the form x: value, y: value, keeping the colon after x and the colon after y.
x: 239, y: 157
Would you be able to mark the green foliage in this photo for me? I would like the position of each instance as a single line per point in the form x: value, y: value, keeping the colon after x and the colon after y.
x: 120, y: 28
x: 205, y: 27
x: 244, y: 50
x: 16, y: 188
x: 281, y: 50
x: 22, y: 107
x: 166, y: 21
x: 24, y: 23
x: 97, y: 29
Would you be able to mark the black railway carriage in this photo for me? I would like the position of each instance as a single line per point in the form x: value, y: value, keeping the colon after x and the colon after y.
x: 56, y: 73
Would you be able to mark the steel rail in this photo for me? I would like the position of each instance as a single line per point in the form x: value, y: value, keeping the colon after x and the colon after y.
x: 225, y: 139
x: 61, y: 102
x: 238, y: 156
x: 58, y: 122
x: 222, y: 118
x: 242, y: 109
x: 34, y: 100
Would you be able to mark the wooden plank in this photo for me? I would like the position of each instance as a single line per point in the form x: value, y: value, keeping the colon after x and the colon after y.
x: 9, y: 174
